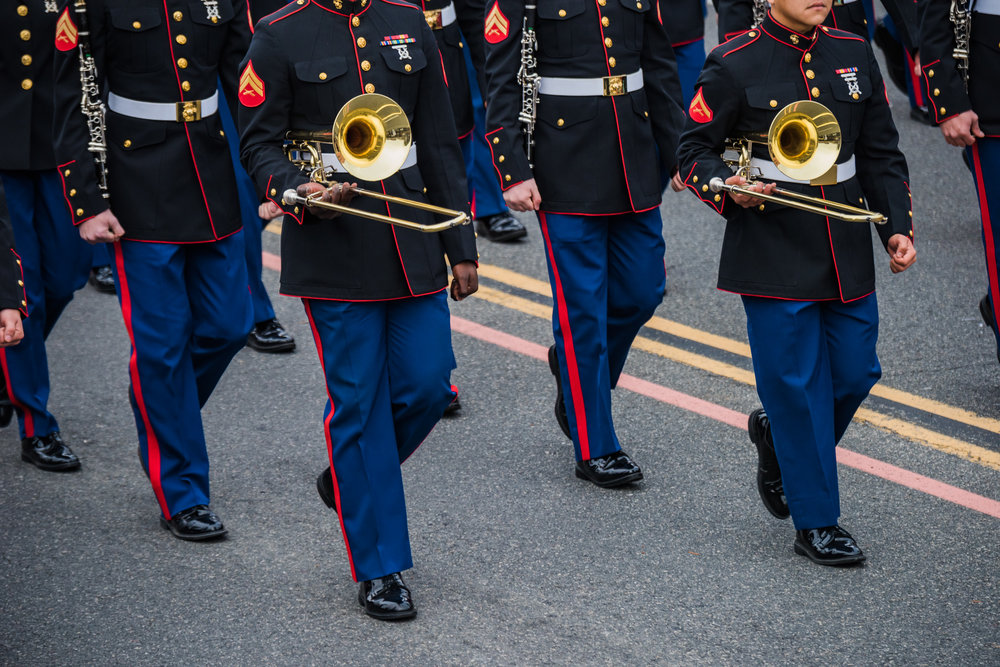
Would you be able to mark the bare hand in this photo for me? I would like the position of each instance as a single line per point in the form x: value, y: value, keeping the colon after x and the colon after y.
x: 337, y: 193
x: 11, y: 330
x: 524, y: 196
x: 269, y: 211
x: 102, y: 228
x: 916, y: 64
x: 676, y: 184
x: 746, y: 201
x: 901, y: 252
x: 962, y: 130
x: 465, y: 281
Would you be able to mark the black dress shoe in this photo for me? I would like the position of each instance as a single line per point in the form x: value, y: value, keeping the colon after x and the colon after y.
x: 195, y: 524
x: 985, y: 310
x: 49, y: 452
x: 921, y: 115
x: 828, y: 546
x: 270, y: 336
x: 769, y: 486
x: 324, y: 486
x: 6, y: 407
x: 562, y: 418
x: 453, y: 407
x: 501, y: 227
x: 610, y: 470
x: 103, y: 279
x: 386, y: 598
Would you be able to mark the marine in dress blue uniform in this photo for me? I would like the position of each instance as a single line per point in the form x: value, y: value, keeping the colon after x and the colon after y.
x: 375, y: 294
x: 174, y: 214
x: 55, y: 260
x: 736, y: 16
x: 807, y: 282
x: 608, y: 119
x: 969, y: 118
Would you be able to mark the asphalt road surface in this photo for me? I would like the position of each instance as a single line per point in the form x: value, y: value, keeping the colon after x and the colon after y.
x: 517, y: 561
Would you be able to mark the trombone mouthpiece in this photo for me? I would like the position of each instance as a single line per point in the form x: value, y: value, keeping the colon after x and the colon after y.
x: 716, y: 184
x: 289, y: 196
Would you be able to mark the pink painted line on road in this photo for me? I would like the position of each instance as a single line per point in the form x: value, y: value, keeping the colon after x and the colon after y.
x: 738, y: 420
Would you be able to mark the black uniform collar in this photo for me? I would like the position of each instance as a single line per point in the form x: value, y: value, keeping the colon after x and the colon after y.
x: 787, y: 36
x: 345, y: 7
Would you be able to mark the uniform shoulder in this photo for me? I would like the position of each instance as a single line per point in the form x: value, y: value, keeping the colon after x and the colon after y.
x: 736, y: 43
x: 837, y: 33
x: 400, y: 3
x: 291, y: 9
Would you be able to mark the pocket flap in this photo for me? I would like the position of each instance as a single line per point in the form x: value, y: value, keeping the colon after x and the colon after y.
x: 137, y: 19
x: 319, y: 71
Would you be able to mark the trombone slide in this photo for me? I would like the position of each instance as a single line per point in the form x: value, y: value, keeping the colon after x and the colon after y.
x: 290, y: 197
x: 844, y: 212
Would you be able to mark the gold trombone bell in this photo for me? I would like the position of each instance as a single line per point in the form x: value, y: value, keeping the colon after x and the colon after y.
x: 371, y: 138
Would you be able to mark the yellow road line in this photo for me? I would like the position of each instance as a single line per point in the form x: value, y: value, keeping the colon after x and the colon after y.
x: 918, y: 434
x: 952, y: 412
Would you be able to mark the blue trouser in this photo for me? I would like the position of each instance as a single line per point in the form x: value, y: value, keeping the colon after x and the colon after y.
x: 187, y: 313
x: 387, y: 367
x: 815, y: 363
x: 607, y: 278
x: 253, y: 224
x: 55, y: 262
x: 102, y: 256
x: 984, y: 160
x: 484, y: 190
x: 690, y: 60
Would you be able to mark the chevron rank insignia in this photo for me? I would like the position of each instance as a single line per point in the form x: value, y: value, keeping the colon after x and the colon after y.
x: 251, y: 87
x: 497, y: 25
x: 699, y: 109
x: 66, y: 33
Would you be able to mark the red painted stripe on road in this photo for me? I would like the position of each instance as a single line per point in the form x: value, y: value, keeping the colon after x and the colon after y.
x: 738, y: 420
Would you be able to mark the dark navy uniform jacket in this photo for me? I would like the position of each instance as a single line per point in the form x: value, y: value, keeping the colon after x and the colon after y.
x: 943, y: 88
x: 26, y: 31
x: 169, y: 181
x: 11, y: 276
x: 780, y: 251
x: 304, y: 63
x: 452, y: 45
x: 592, y: 155
x: 684, y: 19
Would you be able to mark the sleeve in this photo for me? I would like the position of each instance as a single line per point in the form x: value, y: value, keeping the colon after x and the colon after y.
x: 735, y: 16
x: 712, y: 115
x: 265, y: 102
x: 881, y: 167
x: 11, y: 276
x: 663, y: 89
x: 76, y: 165
x: 439, y: 155
x: 471, y: 14
x: 944, y: 89
x: 503, y: 24
x: 237, y: 43
x: 904, y: 16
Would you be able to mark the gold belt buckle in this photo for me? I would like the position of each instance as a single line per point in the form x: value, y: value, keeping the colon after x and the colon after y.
x: 433, y: 18
x: 614, y: 86
x: 188, y: 112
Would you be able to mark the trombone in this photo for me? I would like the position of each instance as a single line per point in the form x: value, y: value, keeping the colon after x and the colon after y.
x: 803, y: 142
x: 371, y: 138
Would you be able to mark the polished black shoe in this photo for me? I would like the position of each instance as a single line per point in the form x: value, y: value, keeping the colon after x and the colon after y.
x: 455, y: 406
x: 102, y: 279
x: 828, y: 546
x: 6, y: 407
x: 769, y: 486
x: 195, y: 524
x: 386, y: 598
x: 270, y: 336
x: 610, y: 470
x: 921, y: 115
x: 49, y: 452
x: 324, y: 486
x: 501, y: 227
x: 986, y: 311
x: 562, y: 418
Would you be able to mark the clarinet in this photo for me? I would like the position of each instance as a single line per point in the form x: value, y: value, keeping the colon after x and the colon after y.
x: 90, y: 102
x: 760, y: 8
x: 529, y: 80
x: 959, y: 15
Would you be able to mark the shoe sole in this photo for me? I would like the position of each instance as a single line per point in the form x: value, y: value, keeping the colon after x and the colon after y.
x: 283, y: 347
x: 51, y: 467
x: 192, y: 538
x: 329, y: 502
x: 387, y: 616
x: 482, y: 230
x: 618, y: 481
x: 837, y: 562
x: 757, y: 438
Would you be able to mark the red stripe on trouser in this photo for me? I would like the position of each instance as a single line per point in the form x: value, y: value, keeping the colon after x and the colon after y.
x: 575, y: 391
x: 29, y: 420
x: 984, y: 212
x: 152, y: 444
x: 329, y: 441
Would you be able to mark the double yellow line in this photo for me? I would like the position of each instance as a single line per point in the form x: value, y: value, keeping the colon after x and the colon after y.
x: 908, y: 430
